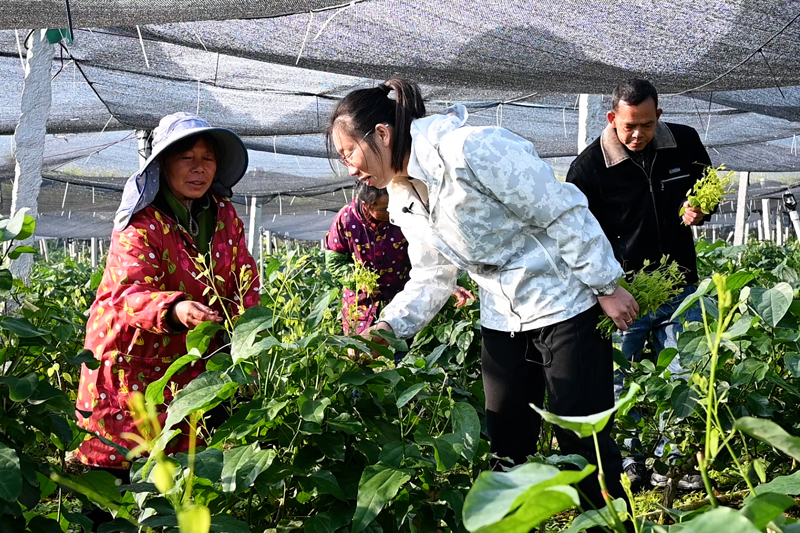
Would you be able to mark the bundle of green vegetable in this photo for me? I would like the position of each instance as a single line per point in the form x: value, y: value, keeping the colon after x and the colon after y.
x: 650, y: 288
x: 707, y: 192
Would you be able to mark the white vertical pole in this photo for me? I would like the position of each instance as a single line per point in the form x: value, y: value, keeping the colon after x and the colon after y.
x: 255, y: 220
x: 100, y: 246
x: 29, y: 137
x: 268, y: 237
x: 261, y: 258
x: 765, y: 216
x: 740, y: 229
x: 94, y: 252
x: 795, y: 218
x: 778, y: 227
x: 591, y: 119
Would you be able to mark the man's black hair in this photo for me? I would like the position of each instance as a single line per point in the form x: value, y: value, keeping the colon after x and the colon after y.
x: 633, y: 92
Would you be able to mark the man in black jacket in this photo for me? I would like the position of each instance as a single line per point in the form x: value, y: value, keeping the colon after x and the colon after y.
x: 635, y: 177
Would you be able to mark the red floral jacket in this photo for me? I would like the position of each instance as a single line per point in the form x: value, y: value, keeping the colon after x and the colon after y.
x: 150, y: 266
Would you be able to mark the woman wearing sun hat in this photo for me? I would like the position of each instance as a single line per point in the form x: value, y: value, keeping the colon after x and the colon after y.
x: 173, y: 210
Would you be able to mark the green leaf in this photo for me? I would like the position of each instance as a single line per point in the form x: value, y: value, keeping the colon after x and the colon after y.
x: 19, y: 250
x: 454, y: 499
x: 704, y: 288
x: 409, y: 394
x: 320, y: 523
x: 739, y: 328
x: 208, y: 464
x: 379, y: 484
x: 518, y: 500
x: 467, y: 426
x: 720, y: 519
x: 764, y: 508
x: 396, y: 344
x: 584, y: 426
x: 780, y: 485
x: 600, y: 518
x: 6, y: 279
x: 445, y: 453
x: 759, y: 405
x: 79, y: 519
x: 737, y: 280
x: 665, y: 358
x: 314, y: 410
x: 773, y: 303
x: 326, y: 483
x: 84, y: 357
x: 321, y: 305
x: 21, y: 327
x: 225, y: 523
x: 154, y: 393
x: 347, y: 423
x: 10, y: 474
x: 247, y: 328
x: 332, y: 445
x: 21, y: 389
x: 10, y: 228
x: 771, y: 433
x: 201, y: 336
x: 393, y: 452
x: 99, y: 486
x: 242, y: 465
x: 684, y: 399
x: 792, y: 361
x: 202, y: 393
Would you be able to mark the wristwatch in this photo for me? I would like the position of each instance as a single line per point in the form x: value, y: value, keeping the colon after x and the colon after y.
x: 607, y: 290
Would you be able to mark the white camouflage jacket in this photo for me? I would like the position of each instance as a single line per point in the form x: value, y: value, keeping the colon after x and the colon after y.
x: 495, y: 210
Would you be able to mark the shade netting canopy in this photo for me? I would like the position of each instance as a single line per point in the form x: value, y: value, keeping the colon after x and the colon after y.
x: 272, y: 72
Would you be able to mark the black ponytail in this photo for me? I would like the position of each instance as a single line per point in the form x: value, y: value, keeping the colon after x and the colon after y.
x: 361, y: 110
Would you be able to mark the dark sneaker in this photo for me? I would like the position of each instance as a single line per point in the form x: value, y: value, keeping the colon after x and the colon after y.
x: 693, y: 481
x: 637, y: 473
x: 689, y: 482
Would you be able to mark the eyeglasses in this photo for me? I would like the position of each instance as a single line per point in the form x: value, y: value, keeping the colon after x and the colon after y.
x: 345, y: 159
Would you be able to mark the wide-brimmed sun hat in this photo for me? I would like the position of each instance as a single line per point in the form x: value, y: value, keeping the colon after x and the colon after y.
x: 142, y: 187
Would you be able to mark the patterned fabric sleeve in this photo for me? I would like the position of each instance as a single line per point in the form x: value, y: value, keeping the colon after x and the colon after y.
x: 136, y: 289
x: 508, y: 167
x: 337, y: 239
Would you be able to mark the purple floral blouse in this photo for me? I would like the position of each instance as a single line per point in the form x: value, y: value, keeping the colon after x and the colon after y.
x: 381, y: 247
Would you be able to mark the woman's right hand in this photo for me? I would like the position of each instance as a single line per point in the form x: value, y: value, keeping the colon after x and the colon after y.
x: 621, y: 307
x: 191, y: 314
x: 383, y: 326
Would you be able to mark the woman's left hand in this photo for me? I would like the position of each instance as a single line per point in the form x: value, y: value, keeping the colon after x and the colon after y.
x: 462, y: 296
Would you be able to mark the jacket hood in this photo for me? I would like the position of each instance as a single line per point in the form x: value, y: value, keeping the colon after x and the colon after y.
x: 427, y: 133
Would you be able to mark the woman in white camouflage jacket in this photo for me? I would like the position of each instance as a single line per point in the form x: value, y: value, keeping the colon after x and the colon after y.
x: 481, y: 200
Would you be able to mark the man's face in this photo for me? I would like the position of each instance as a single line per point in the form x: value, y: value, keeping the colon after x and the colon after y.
x: 635, y: 124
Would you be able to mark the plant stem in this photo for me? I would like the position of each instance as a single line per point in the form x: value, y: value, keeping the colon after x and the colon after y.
x: 601, y: 477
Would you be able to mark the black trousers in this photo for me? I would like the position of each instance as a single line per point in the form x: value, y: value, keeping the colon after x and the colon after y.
x: 575, y: 365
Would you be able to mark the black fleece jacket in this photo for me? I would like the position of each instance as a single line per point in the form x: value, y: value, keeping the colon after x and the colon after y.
x: 638, y: 207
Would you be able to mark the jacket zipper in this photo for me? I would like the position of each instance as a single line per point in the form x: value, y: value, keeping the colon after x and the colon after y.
x: 653, y: 198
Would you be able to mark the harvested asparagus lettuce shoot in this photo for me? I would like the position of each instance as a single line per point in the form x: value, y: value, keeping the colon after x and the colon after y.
x: 651, y: 288
x: 707, y: 192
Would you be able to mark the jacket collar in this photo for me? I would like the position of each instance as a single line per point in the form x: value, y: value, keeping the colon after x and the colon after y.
x: 425, y: 163
x: 614, y: 151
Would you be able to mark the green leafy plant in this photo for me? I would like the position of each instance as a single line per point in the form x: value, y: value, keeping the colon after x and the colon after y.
x: 651, y: 288
x: 707, y: 191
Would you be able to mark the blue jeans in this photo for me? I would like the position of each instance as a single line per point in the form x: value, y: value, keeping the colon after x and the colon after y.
x: 665, y: 335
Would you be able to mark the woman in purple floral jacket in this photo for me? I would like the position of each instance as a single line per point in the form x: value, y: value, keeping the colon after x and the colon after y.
x: 362, y: 232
